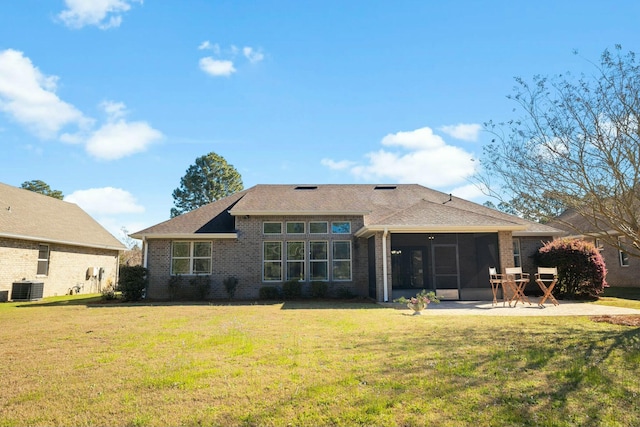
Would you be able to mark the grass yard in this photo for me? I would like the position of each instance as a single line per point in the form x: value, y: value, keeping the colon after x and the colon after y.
x: 70, y: 362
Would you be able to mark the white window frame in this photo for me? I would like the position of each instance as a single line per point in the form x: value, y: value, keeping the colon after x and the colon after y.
x: 301, y: 261
x: 192, y: 258
x: 326, y: 226
x: 340, y: 222
x: 272, y: 261
x: 324, y: 261
x: 335, y: 260
x: 517, y: 253
x: 304, y: 227
x: 43, y: 261
x: 623, y: 256
x: 271, y: 222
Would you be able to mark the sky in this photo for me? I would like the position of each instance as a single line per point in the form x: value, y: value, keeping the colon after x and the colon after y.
x: 110, y: 101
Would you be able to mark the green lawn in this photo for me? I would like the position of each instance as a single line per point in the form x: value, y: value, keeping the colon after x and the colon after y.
x: 69, y: 362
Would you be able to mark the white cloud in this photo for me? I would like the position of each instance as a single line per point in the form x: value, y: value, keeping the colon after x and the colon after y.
x: 464, y: 132
x: 120, y: 138
x: 101, y: 13
x: 423, y: 158
x: 341, y: 165
x: 29, y: 97
x: 105, y: 201
x: 217, y: 67
x: 252, y: 55
x: 469, y: 192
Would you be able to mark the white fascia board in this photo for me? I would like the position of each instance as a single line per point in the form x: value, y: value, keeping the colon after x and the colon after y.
x: 186, y: 236
x: 438, y: 229
x: 234, y: 212
x: 62, y: 242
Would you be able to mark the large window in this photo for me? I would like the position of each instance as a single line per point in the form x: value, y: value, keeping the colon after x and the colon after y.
x: 43, y: 260
x: 295, y: 260
x: 272, y: 261
x: 341, y: 260
x: 319, y: 260
x: 191, y: 258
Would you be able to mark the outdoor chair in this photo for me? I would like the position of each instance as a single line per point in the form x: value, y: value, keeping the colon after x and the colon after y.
x: 496, y: 280
x: 547, y: 278
x: 516, y: 280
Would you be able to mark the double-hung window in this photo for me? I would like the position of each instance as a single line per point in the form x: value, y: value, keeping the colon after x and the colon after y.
x: 517, y: 259
x: 295, y: 260
x: 191, y: 258
x: 341, y: 259
x: 43, y: 260
x: 624, y: 256
x: 319, y: 260
x: 272, y: 261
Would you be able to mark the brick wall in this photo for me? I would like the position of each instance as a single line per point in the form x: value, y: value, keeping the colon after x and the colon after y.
x: 67, y: 266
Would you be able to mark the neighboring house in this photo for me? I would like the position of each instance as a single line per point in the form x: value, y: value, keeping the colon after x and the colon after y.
x: 53, y: 243
x: 622, y: 270
x: 377, y: 241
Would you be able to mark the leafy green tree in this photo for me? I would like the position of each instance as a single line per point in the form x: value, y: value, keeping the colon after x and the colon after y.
x: 574, y: 144
x: 209, y: 179
x: 42, y: 187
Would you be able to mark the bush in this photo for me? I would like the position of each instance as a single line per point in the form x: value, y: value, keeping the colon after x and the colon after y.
x: 291, y: 289
x: 201, y: 286
x: 319, y: 289
x: 581, y: 268
x: 132, y: 282
x: 344, y: 293
x: 269, y: 292
x: 175, y: 287
x: 230, y: 284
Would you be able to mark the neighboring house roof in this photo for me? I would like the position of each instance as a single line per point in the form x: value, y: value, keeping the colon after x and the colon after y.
x: 26, y: 215
x: 397, y: 208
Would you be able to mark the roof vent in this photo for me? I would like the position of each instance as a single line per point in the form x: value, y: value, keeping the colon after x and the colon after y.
x: 385, y: 187
x: 306, y: 187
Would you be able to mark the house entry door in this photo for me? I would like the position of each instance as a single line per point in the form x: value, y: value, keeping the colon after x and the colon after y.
x: 446, y: 271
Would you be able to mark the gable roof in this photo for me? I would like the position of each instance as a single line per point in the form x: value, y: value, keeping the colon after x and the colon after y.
x: 397, y: 208
x: 26, y: 215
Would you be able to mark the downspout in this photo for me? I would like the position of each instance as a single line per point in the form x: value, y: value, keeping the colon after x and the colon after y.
x: 385, y: 282
x: 146, y: 252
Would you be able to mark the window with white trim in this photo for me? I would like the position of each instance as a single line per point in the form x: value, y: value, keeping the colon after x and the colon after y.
x: 272, y: 261
x: 272, y: 228
x: 295, y: 227
x: 341, y: 227
x: 623, y: 255
x: 318, y: 227
x: 43, y: 260
x: 341, y: 259
x: 191, y: 258
x: 319, y: 260
x: 517, y: 259
x: 295, y: 261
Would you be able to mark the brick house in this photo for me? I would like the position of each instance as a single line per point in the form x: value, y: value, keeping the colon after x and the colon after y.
x: 376, y: 241
x: 53, y: 243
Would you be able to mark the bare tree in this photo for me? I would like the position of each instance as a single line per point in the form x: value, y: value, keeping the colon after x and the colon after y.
x: 575, y: 146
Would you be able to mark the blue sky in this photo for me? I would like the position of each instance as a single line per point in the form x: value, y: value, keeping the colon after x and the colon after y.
x: 110, y: 101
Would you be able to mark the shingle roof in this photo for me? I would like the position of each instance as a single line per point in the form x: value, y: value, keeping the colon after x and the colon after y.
x: 28, y: 215
x: 396, y: 207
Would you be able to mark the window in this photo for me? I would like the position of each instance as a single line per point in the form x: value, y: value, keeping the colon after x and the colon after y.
x: 43, y: 260
x: 341, y: 227
x: 295, y: 227
x: 318, y: 261
x: 191, y: 258
x: 318, y: 227
x: 516, y: 253
x: 272, y: 227
x: 272, y: 261
x: 342, y: 260
x: 295, y: 261
x: 624, y: 256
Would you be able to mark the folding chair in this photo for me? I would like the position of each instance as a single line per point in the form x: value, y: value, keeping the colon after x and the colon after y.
x: 496, y: 282
x: 547, y: 278
x: 517, y: 281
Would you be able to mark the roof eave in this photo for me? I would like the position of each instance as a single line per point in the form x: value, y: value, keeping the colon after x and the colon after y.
x: 235, y: 212
x: 62, y: 242
x: 368, y: 230
x: 183, y: 236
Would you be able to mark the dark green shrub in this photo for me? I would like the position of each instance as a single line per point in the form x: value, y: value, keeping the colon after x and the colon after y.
x: 292, y: 289
x: 132, y: 282
x: 344, y: 293
x: 201, y: 286
x: 319, y: 289
x: 230, y: 284
x: 269, y: 292
x: 581, y: 268
x: 175, y: 287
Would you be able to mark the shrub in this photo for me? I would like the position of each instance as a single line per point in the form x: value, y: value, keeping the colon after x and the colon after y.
x: 319, y: 289
x: 291, y: 289
x: 132, y: 282
x: 201, y: 286
x: 344, y: 293
x: 230, y: 284
x: 175, y: 287
x: 581, y: 268
x: 269, y: 292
